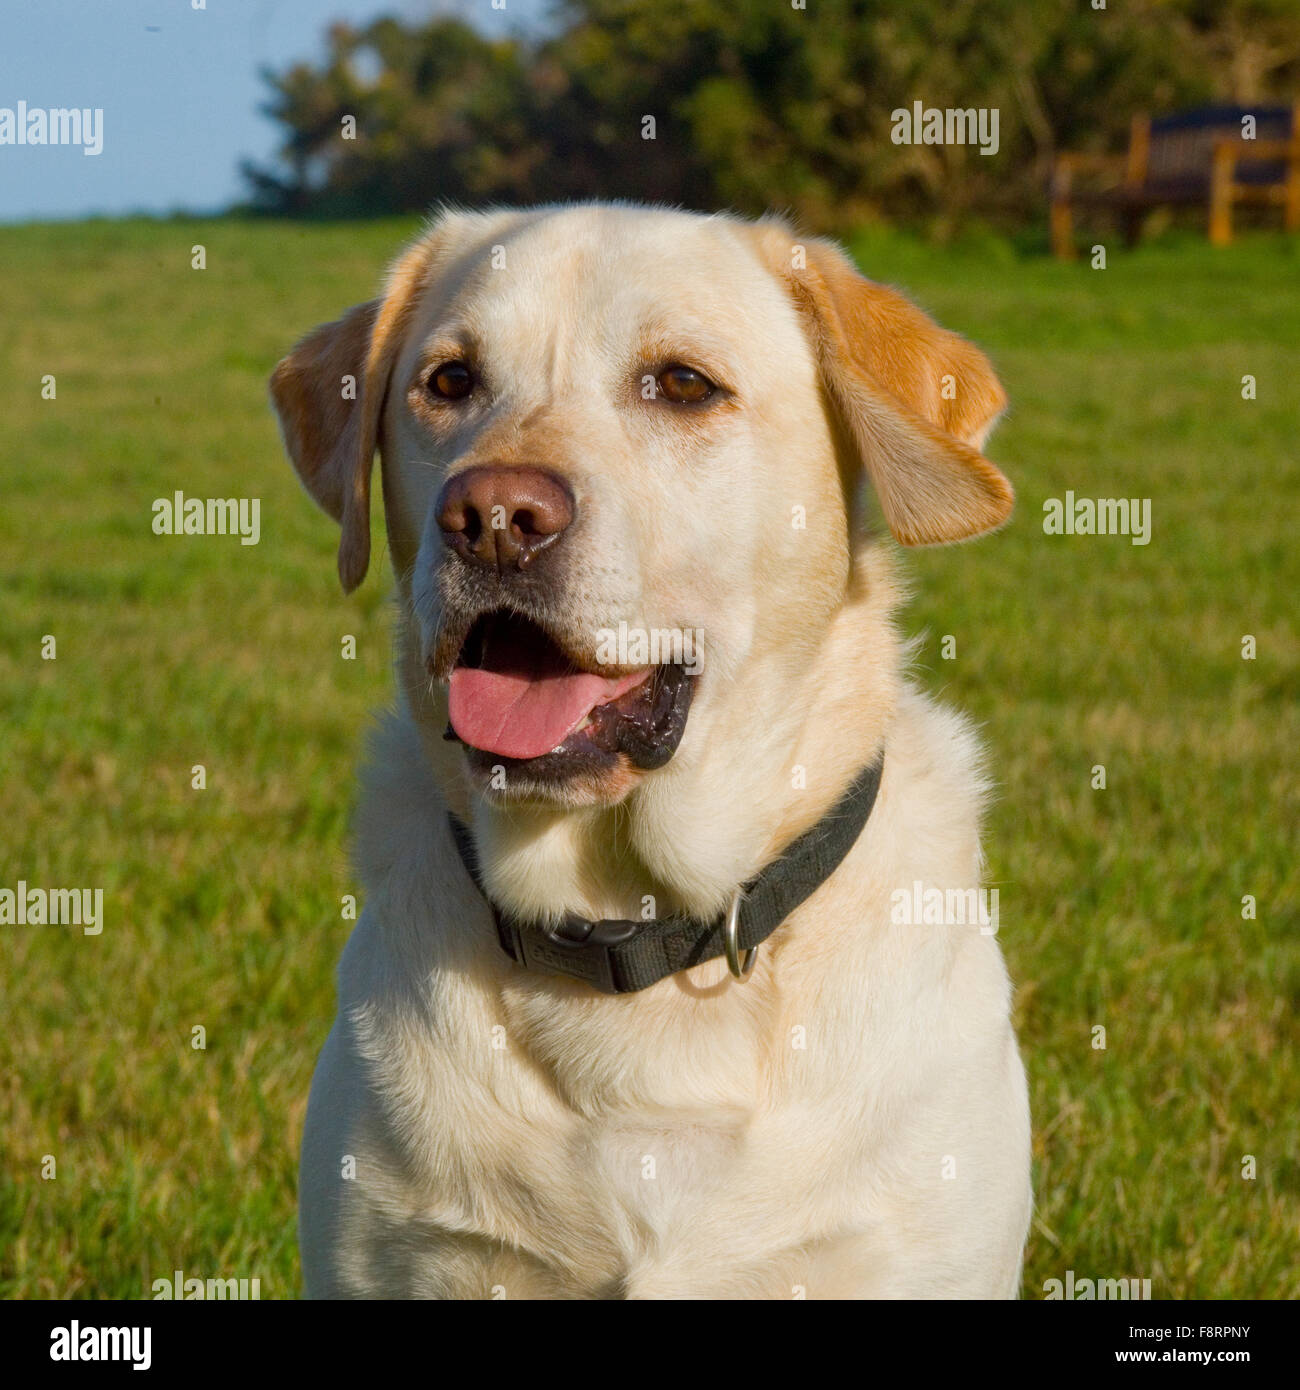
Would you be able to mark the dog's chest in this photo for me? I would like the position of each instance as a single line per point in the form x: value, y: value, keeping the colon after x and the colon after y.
x: 657, y: 1108
x: 660, y: 1174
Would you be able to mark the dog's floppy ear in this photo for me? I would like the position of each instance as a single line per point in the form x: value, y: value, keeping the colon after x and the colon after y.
x: 916, y: 400
x: 329, y: 394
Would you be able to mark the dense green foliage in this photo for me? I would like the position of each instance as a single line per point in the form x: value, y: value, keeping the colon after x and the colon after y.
x: 756, y: 105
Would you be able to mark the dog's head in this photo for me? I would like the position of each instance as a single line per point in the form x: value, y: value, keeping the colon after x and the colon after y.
x: 621, y: 449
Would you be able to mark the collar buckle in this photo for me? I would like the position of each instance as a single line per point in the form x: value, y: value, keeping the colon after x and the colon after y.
x: 575, y: 948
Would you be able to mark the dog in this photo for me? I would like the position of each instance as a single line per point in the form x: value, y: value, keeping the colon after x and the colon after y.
x: 633, y: 1010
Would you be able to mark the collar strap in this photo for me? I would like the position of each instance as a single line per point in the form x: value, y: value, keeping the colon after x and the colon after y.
x: 621, y: 957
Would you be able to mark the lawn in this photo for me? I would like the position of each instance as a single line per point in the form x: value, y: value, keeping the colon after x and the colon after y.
x: 1121, y: 908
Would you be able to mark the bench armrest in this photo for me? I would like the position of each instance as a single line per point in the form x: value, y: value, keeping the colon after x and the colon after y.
x: 1260, y: 150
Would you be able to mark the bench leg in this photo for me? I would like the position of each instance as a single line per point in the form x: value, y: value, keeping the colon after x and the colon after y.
x: 1062, y: 228
x: 1221, y: 199
x: 1291, y: 208
x: 1131, y: 222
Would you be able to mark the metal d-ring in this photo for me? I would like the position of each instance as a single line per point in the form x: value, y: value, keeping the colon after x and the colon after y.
x: 731, y: 939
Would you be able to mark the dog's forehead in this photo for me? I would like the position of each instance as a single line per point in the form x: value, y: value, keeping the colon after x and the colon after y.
x: 602, y: 272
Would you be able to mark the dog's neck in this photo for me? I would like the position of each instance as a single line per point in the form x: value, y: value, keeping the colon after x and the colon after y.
x: 690, y: 833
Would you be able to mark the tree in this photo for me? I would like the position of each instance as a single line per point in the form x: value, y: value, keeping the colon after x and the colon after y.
x: 754, y: 106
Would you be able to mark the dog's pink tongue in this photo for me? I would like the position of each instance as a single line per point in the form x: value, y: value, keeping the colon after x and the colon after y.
x: 520, y: 716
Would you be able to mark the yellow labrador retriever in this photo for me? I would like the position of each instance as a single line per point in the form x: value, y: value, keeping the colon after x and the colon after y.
x: 641, y: 1004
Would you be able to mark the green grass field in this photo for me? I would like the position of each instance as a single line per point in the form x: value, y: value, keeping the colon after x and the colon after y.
x: 1119, y: 907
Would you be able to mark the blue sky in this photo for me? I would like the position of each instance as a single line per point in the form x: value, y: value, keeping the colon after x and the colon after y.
x: 179, y: 89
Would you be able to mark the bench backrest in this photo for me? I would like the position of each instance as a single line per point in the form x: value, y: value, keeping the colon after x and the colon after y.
x: 1181, y: 146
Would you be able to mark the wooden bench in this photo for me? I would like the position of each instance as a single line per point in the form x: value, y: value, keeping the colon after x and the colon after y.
x: 1195, y: 157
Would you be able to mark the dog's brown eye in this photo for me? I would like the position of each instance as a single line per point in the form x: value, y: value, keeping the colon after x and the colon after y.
x: 453, y: 381
x: 684, y: 384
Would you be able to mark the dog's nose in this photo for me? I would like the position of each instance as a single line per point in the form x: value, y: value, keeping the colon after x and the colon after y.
x: 503, y: 516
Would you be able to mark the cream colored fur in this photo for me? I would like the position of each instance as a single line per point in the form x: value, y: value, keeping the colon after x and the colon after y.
x: 852, y: 1120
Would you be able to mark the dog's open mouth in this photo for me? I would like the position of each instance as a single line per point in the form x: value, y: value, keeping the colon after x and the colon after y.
x: 515, y: 694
